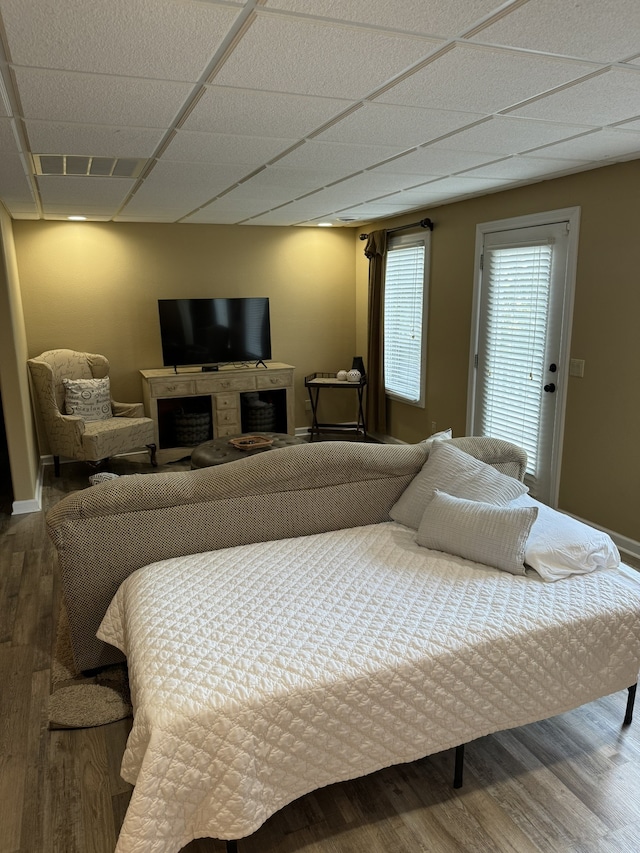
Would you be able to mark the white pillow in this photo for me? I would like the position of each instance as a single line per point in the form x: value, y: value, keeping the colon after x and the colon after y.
x: 482, y: 532
x: 559, y: 545
x: 457, y: 473
x: 89, y: 399
x: 443, y: 435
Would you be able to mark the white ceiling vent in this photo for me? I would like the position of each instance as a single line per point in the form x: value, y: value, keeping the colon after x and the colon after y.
x: 72, y: 164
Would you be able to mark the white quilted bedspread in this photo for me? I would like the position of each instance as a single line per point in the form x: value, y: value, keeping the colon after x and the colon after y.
x: 262, y: 672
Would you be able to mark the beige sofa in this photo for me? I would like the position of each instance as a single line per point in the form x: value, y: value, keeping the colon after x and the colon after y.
x: 104, y: 533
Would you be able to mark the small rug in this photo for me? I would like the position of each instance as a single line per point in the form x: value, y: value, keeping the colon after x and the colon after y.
x: 78, y: 701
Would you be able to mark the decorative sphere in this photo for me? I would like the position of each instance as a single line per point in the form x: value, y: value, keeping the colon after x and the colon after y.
x: 354, y: 376
x: 341, y: 376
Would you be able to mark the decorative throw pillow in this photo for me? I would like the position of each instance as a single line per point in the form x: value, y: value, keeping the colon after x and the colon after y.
x: 89, y: 399
x: 559, y: 545
x: 457, y: 473
x: 484, y: 533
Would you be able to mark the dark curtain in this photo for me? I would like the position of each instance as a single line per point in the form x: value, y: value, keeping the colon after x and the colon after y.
x: 375, y: 251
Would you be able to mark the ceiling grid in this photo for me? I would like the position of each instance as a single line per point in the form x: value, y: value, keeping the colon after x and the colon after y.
x: 290, y: 112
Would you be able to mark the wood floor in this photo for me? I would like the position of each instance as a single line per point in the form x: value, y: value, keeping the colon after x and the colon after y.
x: 566, y: 785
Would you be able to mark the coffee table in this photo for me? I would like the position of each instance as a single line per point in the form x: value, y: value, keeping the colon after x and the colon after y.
x: 218, y: 450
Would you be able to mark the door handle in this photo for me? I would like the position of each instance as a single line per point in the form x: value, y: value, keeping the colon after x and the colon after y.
x: 550, y: 388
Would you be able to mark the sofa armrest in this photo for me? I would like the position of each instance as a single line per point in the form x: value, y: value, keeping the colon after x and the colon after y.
x: 65, y: 434
x: 127, y: 410
x: 506, y: 457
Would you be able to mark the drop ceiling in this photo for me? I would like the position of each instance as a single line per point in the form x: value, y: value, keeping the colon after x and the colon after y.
x: 295, y: 112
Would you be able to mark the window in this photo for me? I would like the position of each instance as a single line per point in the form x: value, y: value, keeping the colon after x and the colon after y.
x: 517, y: 283
x: 405, y: 316
x: 520, y: 336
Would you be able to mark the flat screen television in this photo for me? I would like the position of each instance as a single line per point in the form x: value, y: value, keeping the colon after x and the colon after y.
x: 214, y: 331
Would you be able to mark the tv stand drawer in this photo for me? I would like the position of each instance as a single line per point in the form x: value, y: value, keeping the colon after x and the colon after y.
x: 208, y: 384
x: 173, y: 388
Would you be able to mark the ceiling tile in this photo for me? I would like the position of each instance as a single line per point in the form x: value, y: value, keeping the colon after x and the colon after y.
x: 127, y: 80
x: 507, y: 135
x: 284, y: 54
x: 281, y: 184
x: 277, y: 218
x: 251, y: 113
x: 373, y: 183
x: 602, y: 31
x: 481, y: 79
x: 16, y: 211
x: 338, y: 157
x: 5, y: 109
x: 444, y: 18
x: 106, y: 194
x: 376, y: 208
x: 419, y: 195
x: 231, y: 210
x: 184, y: 185
x: 154, y: 214
x: 603, y: 99
x: 221, y: 148
x: 96, y: 99
x: 145, y: 38
x: 8, y: 140
x: 218, y: 216
x: 458, y: 184
x: 435, y: 162
x: 61, y: 212
x: 15, y: 187
x: 600, y: 145
x: 630, y: 125
x: 387, y: 124
x: 91, y: 139
x: 521, y: 168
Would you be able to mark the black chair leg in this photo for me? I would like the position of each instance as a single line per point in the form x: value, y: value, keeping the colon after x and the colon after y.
x: 232, y: 847
x: 631, y: 698
x: 459, y: 766
x: 152, y: 454
x: 56, y: 465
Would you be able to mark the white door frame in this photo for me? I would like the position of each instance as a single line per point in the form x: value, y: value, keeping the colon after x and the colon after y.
x: 572, y: 216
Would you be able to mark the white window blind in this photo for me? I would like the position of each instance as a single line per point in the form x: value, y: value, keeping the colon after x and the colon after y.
x: 516, y: 284
x: 405, y: 288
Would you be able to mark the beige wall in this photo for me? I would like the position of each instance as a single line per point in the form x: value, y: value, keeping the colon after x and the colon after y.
x: 94, y: 287
x: 21, y: 441
x: 600, y: 476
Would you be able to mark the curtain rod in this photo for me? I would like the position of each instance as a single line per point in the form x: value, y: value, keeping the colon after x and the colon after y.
x: 424, y: 223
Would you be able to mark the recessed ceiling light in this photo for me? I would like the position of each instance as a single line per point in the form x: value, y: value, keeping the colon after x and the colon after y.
x: 77, y: 218
x: 325, y: 224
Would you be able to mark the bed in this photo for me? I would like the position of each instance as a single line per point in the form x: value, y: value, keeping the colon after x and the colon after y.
x: 263, y: 671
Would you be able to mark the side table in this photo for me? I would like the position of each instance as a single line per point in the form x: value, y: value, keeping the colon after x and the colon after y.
x: 315, y: 382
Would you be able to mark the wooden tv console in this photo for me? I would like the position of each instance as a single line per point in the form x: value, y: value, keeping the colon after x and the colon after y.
x: 218, y: 392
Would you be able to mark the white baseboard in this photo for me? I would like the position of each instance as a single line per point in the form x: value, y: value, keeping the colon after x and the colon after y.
x: 35, y: 504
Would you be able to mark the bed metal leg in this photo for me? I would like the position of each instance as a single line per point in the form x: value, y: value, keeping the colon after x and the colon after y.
x: 631, y: 698
x: 459, y: 765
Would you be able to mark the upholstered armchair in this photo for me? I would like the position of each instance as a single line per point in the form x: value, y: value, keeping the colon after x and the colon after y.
x: 99, y: 427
